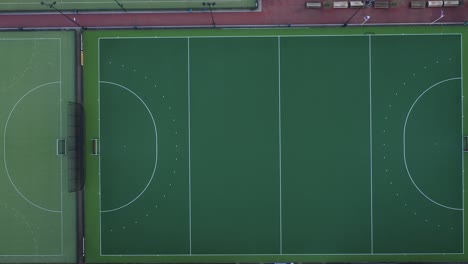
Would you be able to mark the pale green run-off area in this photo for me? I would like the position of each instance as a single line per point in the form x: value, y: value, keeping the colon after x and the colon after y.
x: 145, y: 5
x: 230, y: 147
x: 37, y: 214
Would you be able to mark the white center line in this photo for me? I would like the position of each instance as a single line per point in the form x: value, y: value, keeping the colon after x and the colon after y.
x: 279, y: 136
x: 370, y: 141
x: 189, y: 147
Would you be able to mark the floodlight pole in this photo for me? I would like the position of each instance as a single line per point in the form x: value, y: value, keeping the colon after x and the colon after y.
x: 210, y: 7
x: 52, y: 6
x: 441, y: 16
x: 355, y: 13
x: 366, y: 18
x: 120, y: 5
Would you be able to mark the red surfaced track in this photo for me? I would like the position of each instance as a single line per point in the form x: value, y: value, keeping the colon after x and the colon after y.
x: 273, y: 13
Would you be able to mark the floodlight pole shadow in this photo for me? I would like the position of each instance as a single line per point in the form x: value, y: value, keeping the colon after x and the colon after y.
x: 120, y: 5
x: 52, y: 6
x: 210, y: 8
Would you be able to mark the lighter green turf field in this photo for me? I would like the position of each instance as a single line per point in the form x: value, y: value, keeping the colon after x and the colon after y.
x: 37, y: 213
x: 149, y: 5
x: 275, y: 145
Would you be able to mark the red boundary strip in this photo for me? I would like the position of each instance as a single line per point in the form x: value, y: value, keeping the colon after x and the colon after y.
x: 274, y: 13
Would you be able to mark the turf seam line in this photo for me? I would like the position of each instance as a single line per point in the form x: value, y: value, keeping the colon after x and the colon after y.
x: 370, y: 148
x: 280, y: 149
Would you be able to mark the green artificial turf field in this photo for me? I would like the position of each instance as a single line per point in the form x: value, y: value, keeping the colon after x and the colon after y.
x: 275, y: 145
x: 37, y: 213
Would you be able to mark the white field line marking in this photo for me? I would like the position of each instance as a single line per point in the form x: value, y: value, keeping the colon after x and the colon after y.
x: 99, y: 136
x: 462, y: 152
x: 48, y: 255
x: 155, y: 146
x: 61, y: 156
x: 370, y: 139
x: 284, y: 36
x: 61, y: 172
x: 313, y: 254
x: 21, y: 39
x: 261, y: 36
x: 189, y: 146
x: 4, y: 148
x: 404, y: 144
